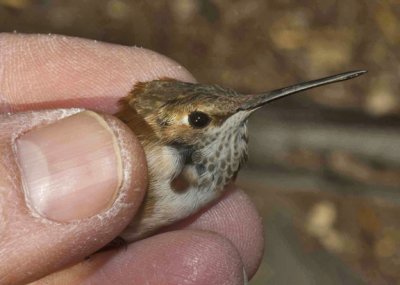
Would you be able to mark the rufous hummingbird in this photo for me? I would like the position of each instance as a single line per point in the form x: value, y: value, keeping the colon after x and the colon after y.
x: 195, y: 140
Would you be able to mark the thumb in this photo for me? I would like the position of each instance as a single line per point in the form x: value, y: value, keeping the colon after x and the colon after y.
x: 70, y: 181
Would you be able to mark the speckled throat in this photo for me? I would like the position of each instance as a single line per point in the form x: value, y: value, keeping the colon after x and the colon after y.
x: 219, y: 156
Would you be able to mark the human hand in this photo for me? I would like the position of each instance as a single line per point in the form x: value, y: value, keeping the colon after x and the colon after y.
x: 80, y: 195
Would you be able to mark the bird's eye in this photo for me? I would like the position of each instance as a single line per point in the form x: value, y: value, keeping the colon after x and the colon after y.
x: 199, y: 119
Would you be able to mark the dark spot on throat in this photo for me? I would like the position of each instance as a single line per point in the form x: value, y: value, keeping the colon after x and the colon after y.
x: 184, y: 150
x: 211, y: 167
x: 180, y: 184
x: 200, y: 168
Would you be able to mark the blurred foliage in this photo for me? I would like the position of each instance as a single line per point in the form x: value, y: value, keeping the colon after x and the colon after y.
x: 327, y: 165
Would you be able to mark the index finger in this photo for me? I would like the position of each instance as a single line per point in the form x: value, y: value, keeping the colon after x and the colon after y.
x: 49, y: 71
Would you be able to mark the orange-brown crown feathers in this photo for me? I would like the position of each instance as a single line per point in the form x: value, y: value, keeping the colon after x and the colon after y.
x: 167, y: 92
x: 172, y: 108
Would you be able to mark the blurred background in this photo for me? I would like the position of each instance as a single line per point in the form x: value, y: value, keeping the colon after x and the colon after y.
x: 324, y: 168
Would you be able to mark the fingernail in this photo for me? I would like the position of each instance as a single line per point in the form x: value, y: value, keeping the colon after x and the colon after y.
x: 70, y: 169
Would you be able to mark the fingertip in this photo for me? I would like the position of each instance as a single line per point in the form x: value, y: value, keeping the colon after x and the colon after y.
x: 133, y: 160
x: 196, y: 256
x: 79, y: 166
x: 68, y: 224
x: 235, y: 217
x: 64, y: 72
x: 180, y: 257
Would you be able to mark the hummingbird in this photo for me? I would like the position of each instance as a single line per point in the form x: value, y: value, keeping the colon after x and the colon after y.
x: 195, y: 140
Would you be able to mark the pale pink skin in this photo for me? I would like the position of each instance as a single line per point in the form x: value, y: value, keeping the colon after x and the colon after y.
x: 39, y: 72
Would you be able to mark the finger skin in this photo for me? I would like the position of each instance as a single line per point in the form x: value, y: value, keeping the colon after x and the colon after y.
x: 68, y: 72
x: 42, y: 71
x: 235, y: 217
x: 178, y: 257
x: 40, y: 246
x: 232, y: 217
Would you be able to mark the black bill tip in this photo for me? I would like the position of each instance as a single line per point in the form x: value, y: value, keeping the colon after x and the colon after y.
x: 351, y: 74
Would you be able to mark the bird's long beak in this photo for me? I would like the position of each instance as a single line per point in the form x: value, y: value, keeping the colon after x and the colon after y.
x: 257, y: 100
